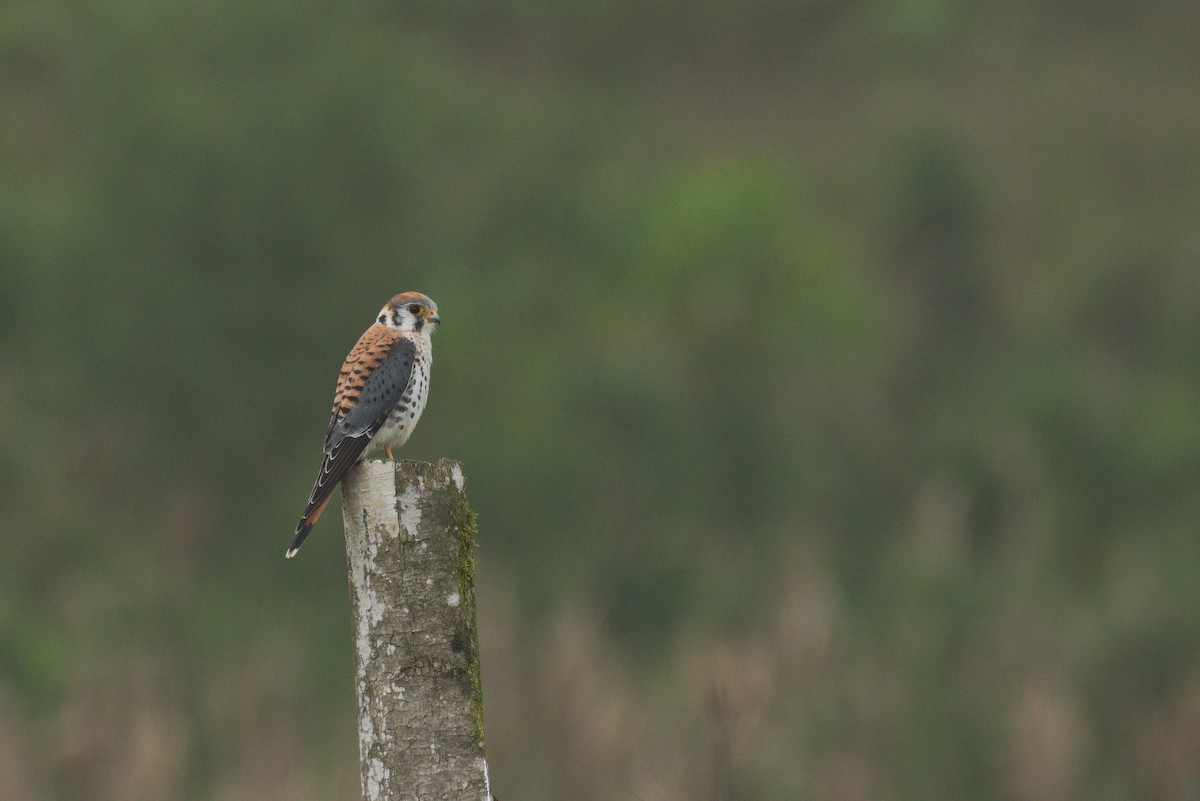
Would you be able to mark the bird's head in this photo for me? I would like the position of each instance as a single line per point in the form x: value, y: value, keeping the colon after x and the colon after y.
x: 410, y: 311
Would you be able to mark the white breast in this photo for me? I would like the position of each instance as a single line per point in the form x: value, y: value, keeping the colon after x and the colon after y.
x: 404, y: 416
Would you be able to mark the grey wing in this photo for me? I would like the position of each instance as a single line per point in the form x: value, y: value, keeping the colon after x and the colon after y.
x: 382, y: 391
x: 349, y: 436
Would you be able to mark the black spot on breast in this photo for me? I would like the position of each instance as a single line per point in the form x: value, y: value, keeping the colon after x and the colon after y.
x: 382, y: 318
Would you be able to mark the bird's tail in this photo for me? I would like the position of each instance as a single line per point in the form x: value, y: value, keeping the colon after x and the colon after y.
x: 306, y: 524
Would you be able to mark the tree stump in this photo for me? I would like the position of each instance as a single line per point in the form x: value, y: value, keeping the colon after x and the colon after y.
x: 409, y: 541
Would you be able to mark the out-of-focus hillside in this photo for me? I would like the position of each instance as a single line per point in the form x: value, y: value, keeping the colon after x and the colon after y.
x: 827, y: 375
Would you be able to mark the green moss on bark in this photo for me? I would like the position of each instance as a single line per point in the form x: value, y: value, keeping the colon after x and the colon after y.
x: 466, y: 522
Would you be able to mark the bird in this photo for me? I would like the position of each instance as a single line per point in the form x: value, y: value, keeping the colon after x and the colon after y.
x: 381, y: 392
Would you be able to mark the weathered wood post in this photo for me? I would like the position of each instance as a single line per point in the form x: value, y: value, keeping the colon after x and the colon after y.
x: 409, y: 540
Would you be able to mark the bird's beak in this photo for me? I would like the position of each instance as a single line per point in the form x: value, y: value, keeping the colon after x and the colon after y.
x: 433, y: 317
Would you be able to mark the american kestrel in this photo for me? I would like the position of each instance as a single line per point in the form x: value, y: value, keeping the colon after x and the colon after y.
x: 380, y: 395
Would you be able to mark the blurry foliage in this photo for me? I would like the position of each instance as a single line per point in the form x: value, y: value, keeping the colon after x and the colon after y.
x: 826, y: 375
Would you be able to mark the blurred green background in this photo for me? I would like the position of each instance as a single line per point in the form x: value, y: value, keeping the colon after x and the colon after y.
x: 827, y: 376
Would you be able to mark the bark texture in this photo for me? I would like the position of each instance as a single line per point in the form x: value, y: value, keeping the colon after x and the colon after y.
x: 409, y: 540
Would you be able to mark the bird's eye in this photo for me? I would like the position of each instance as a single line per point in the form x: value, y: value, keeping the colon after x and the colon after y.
x: 414, y: 309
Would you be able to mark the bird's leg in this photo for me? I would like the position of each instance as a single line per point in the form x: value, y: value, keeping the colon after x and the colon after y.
x: 388, y: 451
